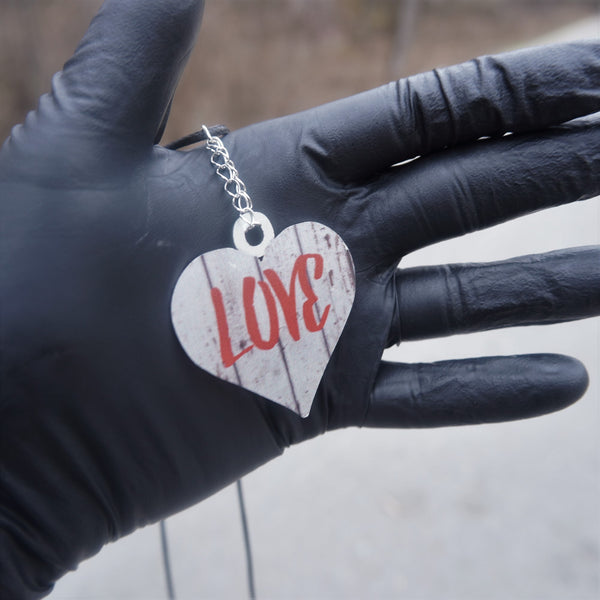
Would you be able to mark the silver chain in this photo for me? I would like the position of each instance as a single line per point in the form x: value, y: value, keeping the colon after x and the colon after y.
x: 226, y: 170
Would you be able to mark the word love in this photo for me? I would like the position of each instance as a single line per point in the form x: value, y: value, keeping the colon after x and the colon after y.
x: 287, y: 301
x: 268, y: 325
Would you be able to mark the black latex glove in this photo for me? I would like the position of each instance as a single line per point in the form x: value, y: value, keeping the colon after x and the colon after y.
x: 105, y: 423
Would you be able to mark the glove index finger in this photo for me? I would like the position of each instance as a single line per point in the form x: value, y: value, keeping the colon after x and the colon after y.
x: 123, y: 75
x: 520, y: 91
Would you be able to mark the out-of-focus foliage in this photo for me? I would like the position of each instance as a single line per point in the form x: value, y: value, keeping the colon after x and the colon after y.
x: 262, y: 58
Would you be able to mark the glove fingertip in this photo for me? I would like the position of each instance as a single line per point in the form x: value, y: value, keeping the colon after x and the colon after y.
x: 563, y: 379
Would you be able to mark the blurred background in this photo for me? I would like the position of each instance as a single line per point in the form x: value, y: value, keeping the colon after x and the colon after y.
x: 257, y: 59
x: 499, y: 511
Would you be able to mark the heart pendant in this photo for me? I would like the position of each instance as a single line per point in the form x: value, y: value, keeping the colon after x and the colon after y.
x: 268, y: 325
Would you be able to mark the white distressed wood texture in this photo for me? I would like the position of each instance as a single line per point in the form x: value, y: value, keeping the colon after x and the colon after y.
x: 288, y: 373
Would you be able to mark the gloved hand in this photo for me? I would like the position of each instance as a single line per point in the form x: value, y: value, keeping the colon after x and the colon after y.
x: 105, y: 423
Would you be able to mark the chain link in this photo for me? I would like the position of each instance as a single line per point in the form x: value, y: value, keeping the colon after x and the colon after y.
x: 226, y: 170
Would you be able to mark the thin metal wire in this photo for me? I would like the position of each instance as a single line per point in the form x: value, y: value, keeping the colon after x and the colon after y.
x: 166, y: 561
x: 249, y: 563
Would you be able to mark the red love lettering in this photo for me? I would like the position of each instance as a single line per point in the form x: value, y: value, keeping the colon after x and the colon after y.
x: 251, y: 321
x: 224, y: 340
x: 287, y: 301
x: 311, y: 297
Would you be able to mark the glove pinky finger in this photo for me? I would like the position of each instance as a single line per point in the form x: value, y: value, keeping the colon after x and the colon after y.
x: 473, y: 391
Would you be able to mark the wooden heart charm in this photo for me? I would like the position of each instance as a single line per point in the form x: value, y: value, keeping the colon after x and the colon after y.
x: 268, y: 325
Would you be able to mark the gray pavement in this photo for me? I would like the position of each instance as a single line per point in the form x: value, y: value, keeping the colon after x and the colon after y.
x: 508, y: 511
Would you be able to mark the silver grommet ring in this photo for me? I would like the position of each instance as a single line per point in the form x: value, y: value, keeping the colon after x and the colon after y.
x: 241, y: 227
